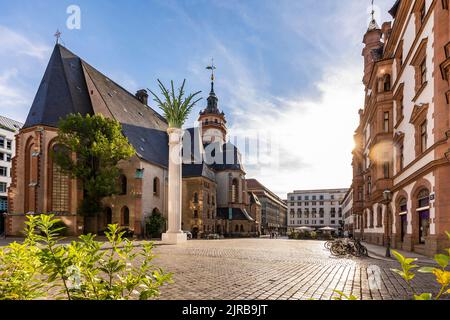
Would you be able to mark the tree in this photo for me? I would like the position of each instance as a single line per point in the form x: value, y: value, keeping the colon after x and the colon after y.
x: 155, y: 224
x: 99, y: 146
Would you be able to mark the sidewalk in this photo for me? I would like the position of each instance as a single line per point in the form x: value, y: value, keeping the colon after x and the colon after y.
x: 379, y: 252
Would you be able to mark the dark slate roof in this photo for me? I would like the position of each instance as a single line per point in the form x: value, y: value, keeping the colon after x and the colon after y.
x: 198, y: 170
x: 62, y: 91
x: 230, y: 156
x: 237, y: 214
x: 394, y: 9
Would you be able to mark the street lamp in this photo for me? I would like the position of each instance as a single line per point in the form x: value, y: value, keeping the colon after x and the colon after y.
x: 387, y: 196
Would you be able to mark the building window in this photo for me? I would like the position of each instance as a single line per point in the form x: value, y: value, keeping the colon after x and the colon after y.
x: 195, y: 197
x: 402, y: 157
x: 423, y: 199
x: 156, y: 187
x: 369, y: 185
x: 423, y: 72
x: 387, y: 83
x: 123, y: 184
x: 213, y: 200
x: 386, y: 122
x: 195, y: 214
x: 3, y: 171
x: 380, y: 217
x: 423, y: 136
x: 2, y: 187
x: 60, y: 182
x: 386, y: 170
x: 2, y: 142
x: 234, y: 191
x: 299, y: 213
x: 8, y: 144
x: 423, y: 13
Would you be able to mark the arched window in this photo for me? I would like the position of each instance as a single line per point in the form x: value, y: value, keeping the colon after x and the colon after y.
x: 60, y: 183
x: 242, y: 228
x: 423, y: 199
x: 365, y: 220
x: 403, y: 211
x: 387, y: 82
x: 299, y: 213
x: 29, y: 176
x: 236, y: 228
x: 125, y: 216
x: 371, y: 219
x: 235, y: 191
x: 123, y: 184
x: 379, y: 217
x: 213, y: 200
x: 195, y: 197
x: 156, y: 186
x: 292, y: 213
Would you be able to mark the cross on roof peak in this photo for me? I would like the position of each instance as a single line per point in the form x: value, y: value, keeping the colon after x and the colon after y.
x: 57, y: 36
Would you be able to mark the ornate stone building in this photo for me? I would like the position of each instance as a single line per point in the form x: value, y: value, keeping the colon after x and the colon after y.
x: 401, y: 163
x: 212, y: 186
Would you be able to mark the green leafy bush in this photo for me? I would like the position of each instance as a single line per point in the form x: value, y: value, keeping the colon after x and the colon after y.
x: 441, y: 273
x: 154, y: 225
x: 82, y: 270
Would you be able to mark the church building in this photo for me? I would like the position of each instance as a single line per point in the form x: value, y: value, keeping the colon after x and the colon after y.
x: 215, y: 195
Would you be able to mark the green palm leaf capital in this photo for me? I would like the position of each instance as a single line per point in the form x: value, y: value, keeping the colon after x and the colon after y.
x: 176, y: 107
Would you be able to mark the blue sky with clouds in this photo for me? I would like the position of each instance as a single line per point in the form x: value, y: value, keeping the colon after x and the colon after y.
x: 289, y: 71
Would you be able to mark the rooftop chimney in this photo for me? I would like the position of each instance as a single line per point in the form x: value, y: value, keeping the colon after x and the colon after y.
x: 142, y: 95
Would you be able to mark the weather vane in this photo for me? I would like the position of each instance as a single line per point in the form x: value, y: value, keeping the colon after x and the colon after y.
x: 212, y: 67
x: 57, y: 36
x: 373, y: 11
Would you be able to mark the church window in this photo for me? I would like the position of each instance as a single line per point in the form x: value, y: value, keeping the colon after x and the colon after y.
x: 195, y: 197
x: 123, y: 184
x: 234, y: 191
x: 60, y: 182
x: 156, y: 186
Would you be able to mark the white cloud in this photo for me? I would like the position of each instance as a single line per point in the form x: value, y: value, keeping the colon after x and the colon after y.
x: 20, y: 57
x: 14, y: 43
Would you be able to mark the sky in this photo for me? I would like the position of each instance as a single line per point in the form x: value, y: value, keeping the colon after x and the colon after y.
x: 289, y: 72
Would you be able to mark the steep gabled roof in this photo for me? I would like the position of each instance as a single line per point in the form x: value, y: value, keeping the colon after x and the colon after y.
x: 71, y: 85
x: 62, y: 91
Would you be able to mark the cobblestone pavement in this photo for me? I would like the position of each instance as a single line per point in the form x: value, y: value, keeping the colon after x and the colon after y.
x: 264, y: 269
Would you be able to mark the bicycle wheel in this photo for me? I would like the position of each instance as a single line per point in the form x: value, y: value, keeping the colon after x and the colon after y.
x: 337, y: 249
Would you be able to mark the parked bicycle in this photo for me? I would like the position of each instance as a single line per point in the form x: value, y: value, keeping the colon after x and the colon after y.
x: 345, y: 247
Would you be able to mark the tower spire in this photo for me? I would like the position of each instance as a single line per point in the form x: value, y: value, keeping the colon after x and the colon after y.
x: 212, y: 67
x: 373, y: 25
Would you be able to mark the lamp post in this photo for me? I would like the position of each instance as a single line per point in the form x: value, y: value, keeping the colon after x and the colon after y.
x: 387, y: 196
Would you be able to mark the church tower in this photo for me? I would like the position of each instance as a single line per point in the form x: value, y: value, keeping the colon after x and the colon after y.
x: 373, y: 48
x: 213, y: 123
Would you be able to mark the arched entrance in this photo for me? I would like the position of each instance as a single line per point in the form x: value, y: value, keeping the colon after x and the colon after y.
x: 423, y: 211
x: 108, y: 213
x: 195, y: 233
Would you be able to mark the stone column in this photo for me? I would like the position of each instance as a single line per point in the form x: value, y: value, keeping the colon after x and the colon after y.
x: 174, y: 234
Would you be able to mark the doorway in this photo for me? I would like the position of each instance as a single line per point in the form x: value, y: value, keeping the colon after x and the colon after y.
x: 424, y: 225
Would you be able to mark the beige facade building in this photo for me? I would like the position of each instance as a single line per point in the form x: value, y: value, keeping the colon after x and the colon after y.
x: 215, y: 198
x: 316, y: 208
x: 401, y: 163
x: 273, y: 215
